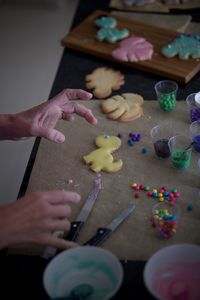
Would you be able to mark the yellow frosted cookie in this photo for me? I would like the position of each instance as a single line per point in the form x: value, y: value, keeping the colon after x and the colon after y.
x: 101, y: 159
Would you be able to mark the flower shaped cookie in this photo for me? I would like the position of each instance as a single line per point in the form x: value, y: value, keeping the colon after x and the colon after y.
x: 103, y: 81
x: 134, y: 49
x: 183, y: 46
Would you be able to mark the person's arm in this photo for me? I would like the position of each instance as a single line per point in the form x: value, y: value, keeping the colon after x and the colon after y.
x: 41, y: 120
x: 33, y: 218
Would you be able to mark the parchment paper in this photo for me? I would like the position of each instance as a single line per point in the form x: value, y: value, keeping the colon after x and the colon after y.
x: 175, y: 22
x: 135, y: 238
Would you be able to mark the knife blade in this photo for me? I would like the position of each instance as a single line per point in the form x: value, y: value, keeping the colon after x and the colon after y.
x: 103, y: 233
x: 77, y: 225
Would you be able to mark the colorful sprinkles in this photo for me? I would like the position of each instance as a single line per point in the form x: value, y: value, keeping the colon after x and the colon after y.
x: 161, y: 195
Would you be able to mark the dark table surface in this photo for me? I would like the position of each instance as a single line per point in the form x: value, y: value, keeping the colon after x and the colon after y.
x: 21, y: 276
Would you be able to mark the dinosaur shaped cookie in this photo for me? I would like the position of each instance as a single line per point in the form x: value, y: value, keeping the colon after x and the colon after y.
x: 184, y: 46
x: 101, y: 159
x: 133, y: 49
x: 106, y: 22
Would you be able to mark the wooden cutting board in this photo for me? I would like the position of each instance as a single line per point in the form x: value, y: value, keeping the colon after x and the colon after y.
x: 83, y: 39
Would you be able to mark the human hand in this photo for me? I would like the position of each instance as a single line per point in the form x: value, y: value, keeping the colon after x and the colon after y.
x: 42, y: 119
x: 33, y: 219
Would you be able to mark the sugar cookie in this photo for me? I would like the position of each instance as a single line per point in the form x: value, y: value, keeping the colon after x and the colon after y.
x: 103, y: 81
x: 124, y: 108
x: 111, y: 35
x: 101, y: 159
x: 183, y: 46
x: 137, y: 2
x: 133, y: 49
x: 106, y: 22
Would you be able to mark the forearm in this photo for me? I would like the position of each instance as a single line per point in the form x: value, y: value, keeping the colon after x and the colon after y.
x: 11, y: 127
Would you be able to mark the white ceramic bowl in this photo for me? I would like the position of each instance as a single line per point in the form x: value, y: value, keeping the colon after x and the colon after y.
x: 84, y: 269
x: 173, y: 273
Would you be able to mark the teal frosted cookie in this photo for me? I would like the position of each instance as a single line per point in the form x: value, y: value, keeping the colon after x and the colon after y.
x: 106, y: 22
x: 111, y: 35
x: 184, y: 46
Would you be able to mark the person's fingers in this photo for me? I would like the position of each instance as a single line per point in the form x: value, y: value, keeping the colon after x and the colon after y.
x: 52, y: 135
x: 60, y: 211
x: 67, y: 117
x: 57, y: 225
x: 62, y: 197
x: 80, y: 110
x: 71, y: 94
x: 59, y: 243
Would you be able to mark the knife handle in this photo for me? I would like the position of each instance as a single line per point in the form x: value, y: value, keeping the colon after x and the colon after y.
x: 74, y: 231
x: 99, y: 237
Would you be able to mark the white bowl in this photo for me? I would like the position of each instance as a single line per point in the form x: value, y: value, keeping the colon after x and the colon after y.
x: 83, y: 268
x: 173, y: 273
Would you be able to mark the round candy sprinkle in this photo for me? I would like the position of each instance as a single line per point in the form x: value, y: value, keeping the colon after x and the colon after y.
x: 144, y: 150
x: 190, y: 207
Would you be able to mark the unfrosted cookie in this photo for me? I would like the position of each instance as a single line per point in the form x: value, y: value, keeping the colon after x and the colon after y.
x: 106, y: 22
x: 111, y: 35
x: 126, y: 107
x: 184, y: 46
x: 133, y: 49
x: 103, y: 81
x: 101, y: 159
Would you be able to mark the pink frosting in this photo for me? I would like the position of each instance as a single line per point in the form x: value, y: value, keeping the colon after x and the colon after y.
x: 134, y: 49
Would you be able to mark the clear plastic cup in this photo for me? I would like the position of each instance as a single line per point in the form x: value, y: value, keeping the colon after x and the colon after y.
x: 181, y: 150
x: 193, y: 107
x: 166, y: 91
x: 160, y: 135
x: 165, y: 219
x: 195, y: 135
x: 173, y: 273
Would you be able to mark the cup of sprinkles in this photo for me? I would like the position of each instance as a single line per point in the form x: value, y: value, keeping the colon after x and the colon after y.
x: 181, y: 150
x: 193, y: 105
x: 165, y: 219
x: 166, y: 91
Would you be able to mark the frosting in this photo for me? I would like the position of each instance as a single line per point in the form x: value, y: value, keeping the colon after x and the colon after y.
x: 101, y: 159
x: 183, y: 46
x: 106, y: 22
x: 111, y: 34
x: 137, y: 2
x: 133, y: 49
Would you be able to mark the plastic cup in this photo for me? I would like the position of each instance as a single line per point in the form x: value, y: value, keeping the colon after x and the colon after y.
x: 84, y: 272
x: 166, y: 91
x: 193, y: 106
x: 195, y: 134
x: 173, y: 273
x: 181, y: 149
x: 160, y: 135
x: 165, y: 219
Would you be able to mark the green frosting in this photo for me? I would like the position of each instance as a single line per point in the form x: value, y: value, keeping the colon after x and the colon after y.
x: 181, y: 159
x: 183, y: 46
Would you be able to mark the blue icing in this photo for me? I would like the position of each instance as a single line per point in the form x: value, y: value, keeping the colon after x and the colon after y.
x: 112, y: 34
x: 106, y: 22
x: 183, y: 46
